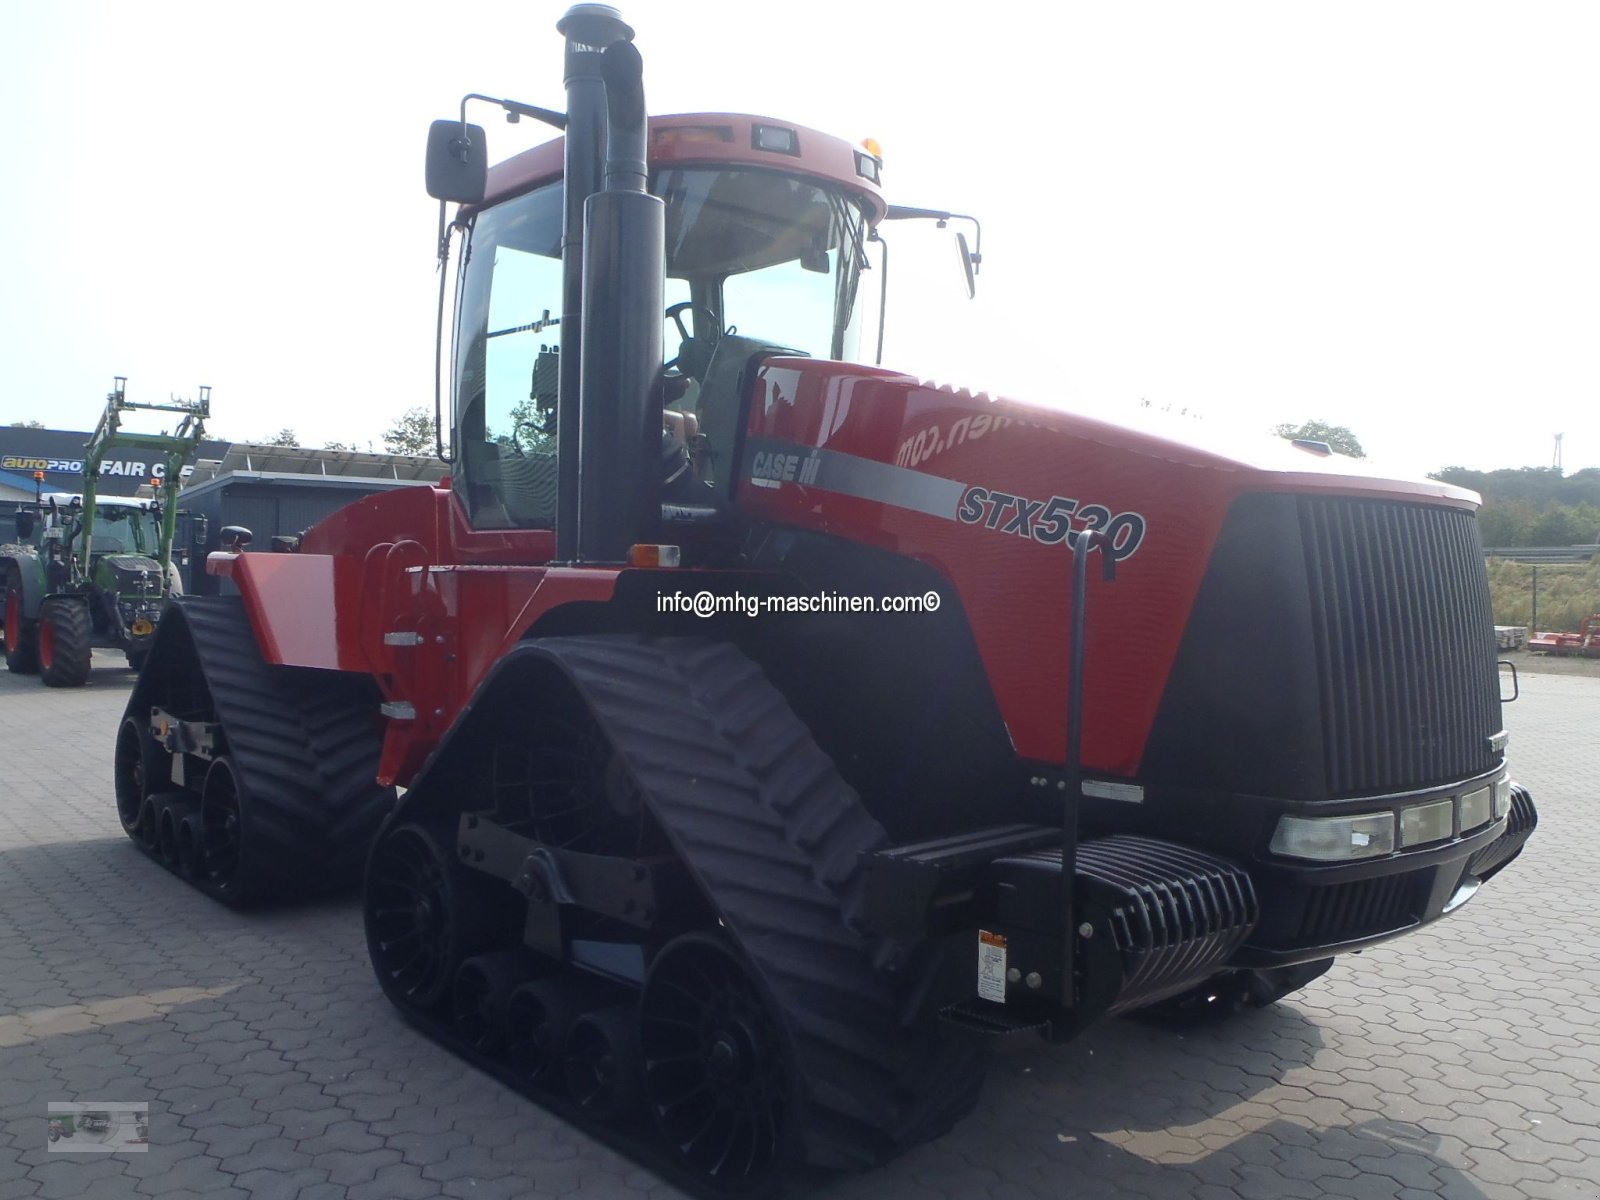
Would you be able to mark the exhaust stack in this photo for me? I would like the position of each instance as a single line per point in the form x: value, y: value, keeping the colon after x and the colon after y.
x: 614, y: 268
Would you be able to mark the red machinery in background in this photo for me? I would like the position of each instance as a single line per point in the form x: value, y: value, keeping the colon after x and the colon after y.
x: 1037, y: 720
x: 1586, y: 642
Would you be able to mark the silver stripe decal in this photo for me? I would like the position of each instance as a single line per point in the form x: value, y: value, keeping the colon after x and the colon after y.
x: 851, y: 475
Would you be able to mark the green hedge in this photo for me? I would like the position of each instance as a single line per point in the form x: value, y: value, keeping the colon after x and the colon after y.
x: 1568, y: 592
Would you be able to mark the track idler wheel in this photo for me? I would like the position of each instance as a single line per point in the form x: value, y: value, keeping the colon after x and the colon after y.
x: 424, y: 914
x: 483, y: 988
x: 221, y: 850
x: 133, y: 766
x: 718, y: 1075
x: 600, y: 1064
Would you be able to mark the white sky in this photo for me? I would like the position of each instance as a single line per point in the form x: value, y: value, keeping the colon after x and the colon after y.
x: 1386, y: 215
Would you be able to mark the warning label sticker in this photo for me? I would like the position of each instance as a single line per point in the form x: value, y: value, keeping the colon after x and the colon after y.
x: 992, y: 966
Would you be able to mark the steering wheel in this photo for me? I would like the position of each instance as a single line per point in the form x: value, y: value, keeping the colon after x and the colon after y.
x: 694, y: 354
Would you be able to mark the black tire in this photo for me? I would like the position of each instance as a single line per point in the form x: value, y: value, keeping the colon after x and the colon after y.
x: 64, y: 633
x: 22, y: 633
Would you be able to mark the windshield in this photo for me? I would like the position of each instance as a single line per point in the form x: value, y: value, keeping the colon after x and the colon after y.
x: 120, y: 530
x: 771, y: 258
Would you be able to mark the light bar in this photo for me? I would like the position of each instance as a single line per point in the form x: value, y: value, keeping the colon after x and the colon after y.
x: 1345, y: 839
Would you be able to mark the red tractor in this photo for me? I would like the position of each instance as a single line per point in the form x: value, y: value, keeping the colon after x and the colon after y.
x: 772, y: 728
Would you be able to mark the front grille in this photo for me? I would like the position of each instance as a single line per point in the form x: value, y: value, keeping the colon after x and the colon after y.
x: 1363, y: 908
x: 1404, y: 643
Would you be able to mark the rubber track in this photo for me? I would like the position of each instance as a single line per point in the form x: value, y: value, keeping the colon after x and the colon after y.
x: 775, y: 837
x: 304, y: 746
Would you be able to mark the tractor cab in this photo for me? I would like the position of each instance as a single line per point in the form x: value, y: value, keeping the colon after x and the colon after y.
x: 766, y: 232
x: 121, y: 525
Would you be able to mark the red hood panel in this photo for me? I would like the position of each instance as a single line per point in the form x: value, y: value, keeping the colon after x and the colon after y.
x: 983, y: 490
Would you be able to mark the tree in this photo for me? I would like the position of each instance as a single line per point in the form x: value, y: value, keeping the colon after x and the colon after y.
x: 1337, y: 436
x: 27, y: 425
x: 340, y: 446
x: 413, y: 433
x: 284, y: 437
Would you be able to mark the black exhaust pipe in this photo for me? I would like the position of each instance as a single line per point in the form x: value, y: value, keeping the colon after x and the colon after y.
x: 613, y: 288
x: 624, y: 283
x: 589, y: 29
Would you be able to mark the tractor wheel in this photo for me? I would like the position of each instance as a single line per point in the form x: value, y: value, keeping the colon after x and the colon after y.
x: 719, y: 1075
x: 22, y: 634
x: 137, y: 658
x: 64, y: 633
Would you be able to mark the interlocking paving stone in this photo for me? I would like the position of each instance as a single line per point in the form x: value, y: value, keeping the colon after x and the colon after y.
x: 1462, y: 1062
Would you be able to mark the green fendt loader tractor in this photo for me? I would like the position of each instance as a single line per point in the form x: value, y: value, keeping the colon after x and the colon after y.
x: 90, y: 571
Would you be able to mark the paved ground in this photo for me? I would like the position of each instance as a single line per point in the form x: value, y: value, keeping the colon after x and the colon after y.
x: 1463, y: 1062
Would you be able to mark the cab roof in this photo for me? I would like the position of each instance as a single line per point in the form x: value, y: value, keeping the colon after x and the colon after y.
x: 716, y: 139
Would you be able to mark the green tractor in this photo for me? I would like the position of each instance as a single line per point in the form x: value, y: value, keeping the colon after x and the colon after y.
x: 89, y: 570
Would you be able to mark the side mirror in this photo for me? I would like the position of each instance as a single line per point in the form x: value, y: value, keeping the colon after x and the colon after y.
x: 199, y: 530
x: 458, y: 162
x: 25, y: 524
x: 966, y: 264
x: 235, y: 537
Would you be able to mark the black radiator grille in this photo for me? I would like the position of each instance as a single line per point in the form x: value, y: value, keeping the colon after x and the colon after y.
x: 1363, y: 908
x: 1404, y: 641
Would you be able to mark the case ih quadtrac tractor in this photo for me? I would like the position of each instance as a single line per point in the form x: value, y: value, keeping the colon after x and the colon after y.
x: 747, y: 893
x: 90, y: 570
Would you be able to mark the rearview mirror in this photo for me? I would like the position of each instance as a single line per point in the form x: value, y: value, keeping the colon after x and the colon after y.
x: 966, y: 264
x: 25, y: 524
x: 458, y: 162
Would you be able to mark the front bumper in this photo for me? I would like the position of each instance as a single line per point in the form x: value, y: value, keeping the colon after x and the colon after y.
x: 1312, y: 912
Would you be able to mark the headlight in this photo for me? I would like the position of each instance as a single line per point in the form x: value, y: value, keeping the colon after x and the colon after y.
x: 1477, y: 808
x: 1335, y: 839
x: 1434, y: 822
x: 1502, y: 796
